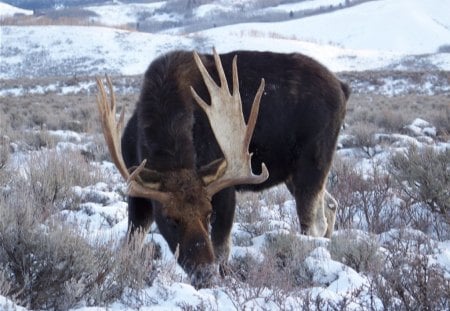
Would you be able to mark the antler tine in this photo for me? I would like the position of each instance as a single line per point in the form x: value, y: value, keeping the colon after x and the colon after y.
x: 111, y: 128
x: 254, y: 113
x: 220, y: 71
x: 227, y: 122
x: 111, y: 131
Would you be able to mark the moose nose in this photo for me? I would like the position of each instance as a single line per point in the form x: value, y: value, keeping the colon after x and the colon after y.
x: 204, y: 276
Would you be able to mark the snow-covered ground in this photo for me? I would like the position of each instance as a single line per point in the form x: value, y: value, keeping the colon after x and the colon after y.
x: 335, y: 281
x: 384, y: 34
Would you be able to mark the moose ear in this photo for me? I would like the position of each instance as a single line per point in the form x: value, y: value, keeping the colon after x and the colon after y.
x: 149, y: 178
x: 212, y: 171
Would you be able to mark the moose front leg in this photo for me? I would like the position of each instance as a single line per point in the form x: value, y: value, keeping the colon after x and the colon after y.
x: 224, y: 203
x: 140, y: 215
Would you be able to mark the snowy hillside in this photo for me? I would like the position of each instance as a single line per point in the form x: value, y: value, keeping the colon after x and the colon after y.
x: 121, y: 13
x: 402, y: 26
x: 9, y: 10
x: 349, y: 39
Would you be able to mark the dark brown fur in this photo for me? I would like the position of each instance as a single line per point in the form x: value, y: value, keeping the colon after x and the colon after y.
x: 301, y: 113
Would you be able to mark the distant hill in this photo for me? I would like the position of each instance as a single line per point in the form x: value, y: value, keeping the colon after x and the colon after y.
x: 10, y: 10
x: 49, y: 4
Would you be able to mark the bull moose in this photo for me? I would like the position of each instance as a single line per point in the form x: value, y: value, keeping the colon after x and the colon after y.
x: 187, y: 147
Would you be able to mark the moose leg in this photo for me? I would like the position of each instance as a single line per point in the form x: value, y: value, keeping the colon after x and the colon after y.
x: 224, y: 203
x: 331, y: 206
x: 307, y: 184
x: 140, y: 216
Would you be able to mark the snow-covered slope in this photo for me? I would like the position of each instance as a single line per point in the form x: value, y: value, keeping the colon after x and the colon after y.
x: 9, y: 10
x: 403, y: 26
x: 65, y: 50
x: 121, y: 13
x: 373, y: 35
x: 38, y: 51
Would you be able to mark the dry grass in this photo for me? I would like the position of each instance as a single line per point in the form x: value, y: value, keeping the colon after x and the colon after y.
x: 392, y: 114
x: 63, y: 18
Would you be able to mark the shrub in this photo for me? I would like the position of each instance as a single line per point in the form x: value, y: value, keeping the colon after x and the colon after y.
x: 344, y: 179
x: 4, y: 150
x: 249, y: 215
x: 50, y: 176
x: 355, y: 249
x: 285, y: 254
x: 409, y: 279
x: 444, y: 48
x: 423, y: 175
x: 364, y: 136
x: 36, y: 140
x: 365, y: 198
x: 281, y: 265
x: 391, y: 120
x: 50, y: 266
x: 4, y: 139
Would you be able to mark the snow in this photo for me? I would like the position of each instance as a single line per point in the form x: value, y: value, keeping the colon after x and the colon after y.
x: 382, y: 25
x: 212, y: 9
x: 394, y: 26
x: 106, y: 50
x: 9, y: 10
x: 351, y: 39
x: 122, y: 14
x: 307, y: 5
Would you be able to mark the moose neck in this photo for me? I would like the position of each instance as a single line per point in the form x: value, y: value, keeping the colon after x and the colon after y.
x: 166, y: 114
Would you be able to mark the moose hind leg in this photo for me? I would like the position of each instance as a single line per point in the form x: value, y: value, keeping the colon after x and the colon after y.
x: 221, y: 222
x: 330, y: 207
x: 307, y: 184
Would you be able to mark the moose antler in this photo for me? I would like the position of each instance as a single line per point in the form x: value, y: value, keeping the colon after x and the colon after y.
x: 227, y: 122
x: 111, y: 131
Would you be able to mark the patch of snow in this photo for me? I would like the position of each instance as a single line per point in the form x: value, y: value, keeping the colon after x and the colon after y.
x: 442, y: 257
x: 421, y: 28
x: 98, y: 50
x: 122, y: 14
x: 420, y: 127
x: 306, y: 5
x: 6, y: 305
x: 211, y: 9
x: 9, y: 10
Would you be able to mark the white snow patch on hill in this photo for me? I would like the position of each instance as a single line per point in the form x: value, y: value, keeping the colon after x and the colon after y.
x: 72, y: 50
x: 9, y: 10
x: 405, y: 26
x: 121, y: 14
